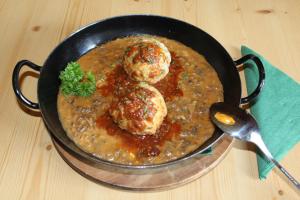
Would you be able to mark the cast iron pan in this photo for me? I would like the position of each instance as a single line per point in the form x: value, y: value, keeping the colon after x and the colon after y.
x: 88, y: 37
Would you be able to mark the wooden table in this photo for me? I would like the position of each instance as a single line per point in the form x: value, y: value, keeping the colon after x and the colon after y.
x: 30, y: 168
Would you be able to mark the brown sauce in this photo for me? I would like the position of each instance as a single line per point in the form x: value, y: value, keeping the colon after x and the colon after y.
x: 189, y: 89
x: 142, y: 146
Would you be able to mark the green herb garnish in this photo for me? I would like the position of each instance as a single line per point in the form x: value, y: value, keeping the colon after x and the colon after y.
x: 185, y: 76
x: 75, y: 82
x: 142, y: 97
x: 113, y: 65
x: 145, y: 111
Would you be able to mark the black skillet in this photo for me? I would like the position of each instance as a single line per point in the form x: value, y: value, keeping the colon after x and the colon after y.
x: 88, y: 37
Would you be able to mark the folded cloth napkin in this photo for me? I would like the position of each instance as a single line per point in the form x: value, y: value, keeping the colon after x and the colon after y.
x: 277, y: 110
x: 207, y: 151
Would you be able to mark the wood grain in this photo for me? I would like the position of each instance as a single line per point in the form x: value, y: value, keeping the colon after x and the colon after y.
x: 31, y: 169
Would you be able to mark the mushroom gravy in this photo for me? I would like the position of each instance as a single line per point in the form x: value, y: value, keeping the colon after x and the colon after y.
x: 189, y: 89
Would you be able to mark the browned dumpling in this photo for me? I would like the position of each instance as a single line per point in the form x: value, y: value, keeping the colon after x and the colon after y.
x: 147, y: 60
x: 141, y: 111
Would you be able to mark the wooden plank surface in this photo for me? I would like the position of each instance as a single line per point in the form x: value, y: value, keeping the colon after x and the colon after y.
x: 30, y: 168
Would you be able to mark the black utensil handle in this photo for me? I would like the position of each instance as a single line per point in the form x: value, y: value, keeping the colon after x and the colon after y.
x: 16, y: 85
x: 261, y: 78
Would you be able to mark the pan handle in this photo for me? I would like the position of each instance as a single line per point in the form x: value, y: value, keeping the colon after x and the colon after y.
x: 16, y: 85
x: 261, y: 79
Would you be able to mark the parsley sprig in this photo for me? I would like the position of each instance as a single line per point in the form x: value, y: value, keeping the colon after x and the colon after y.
x: 75, y: 82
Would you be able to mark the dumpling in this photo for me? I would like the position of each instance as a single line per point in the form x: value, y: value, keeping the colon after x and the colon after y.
x: 141, y: 111
x: 147, y: 60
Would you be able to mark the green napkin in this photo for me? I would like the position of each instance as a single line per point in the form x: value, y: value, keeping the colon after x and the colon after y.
x: 207, y: 151
x: 277, y: 110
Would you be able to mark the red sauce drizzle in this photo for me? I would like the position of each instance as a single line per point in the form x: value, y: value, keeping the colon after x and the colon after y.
x: 168, y: 86
x: 119, y: 84
x: 142, y: 146
x: 144, y: 52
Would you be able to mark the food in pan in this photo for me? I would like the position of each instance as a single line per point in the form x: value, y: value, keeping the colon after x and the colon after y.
x: 171, y: 118
x: 140, y: 111
x: 75, y: 82
x: 147, y: 60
